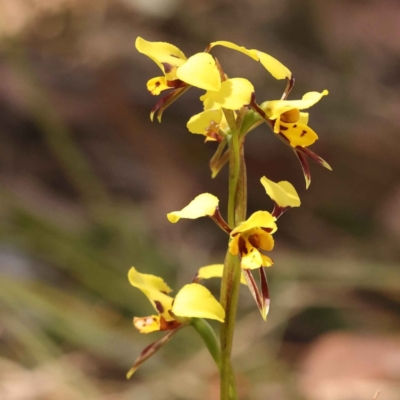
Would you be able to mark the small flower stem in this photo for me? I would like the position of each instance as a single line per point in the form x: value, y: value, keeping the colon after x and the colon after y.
x: 231, y: 278
x: 204, y: 329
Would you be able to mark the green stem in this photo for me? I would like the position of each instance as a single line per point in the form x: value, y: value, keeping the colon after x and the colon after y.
x: 231, y: 277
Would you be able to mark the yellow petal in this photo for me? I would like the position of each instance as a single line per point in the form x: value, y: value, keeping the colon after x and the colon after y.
x: 273, y: 66
x: 206, y: 121
x: 156, y: 85
x: 151, y: 281
x: 260, y: 239
x: 167, y: 56
x: 259, y: 219
x: 298, y: 134
x: 200, y: 71
x: 234, y: 244
x: 251, y: 260
x: 194, y: 300
x: 233, y: 46
x: 282, y: 193
x: 203, y: 205
x: 278, y: 107
x: 214, y: 271
x: 266, y: 261
x: 234, y: 94
x: 303, y: 119
x: 155, y: 289
x: 147, y: 324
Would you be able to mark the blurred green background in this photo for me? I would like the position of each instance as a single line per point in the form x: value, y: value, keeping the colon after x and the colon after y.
x: 86, y: 181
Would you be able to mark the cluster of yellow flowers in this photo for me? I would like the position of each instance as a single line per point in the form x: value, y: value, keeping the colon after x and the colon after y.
x: 249, y: 239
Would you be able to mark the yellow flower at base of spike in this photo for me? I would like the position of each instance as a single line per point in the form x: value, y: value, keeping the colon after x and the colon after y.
x: 252, y: 237
x: 192, y: 301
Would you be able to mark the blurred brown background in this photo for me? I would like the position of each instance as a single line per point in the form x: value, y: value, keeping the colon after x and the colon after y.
x: 86, y: 181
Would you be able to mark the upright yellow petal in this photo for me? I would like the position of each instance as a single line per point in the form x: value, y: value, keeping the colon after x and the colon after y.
x: 203, y: 205
x: 273, y: 66
x: 200, y: 70
x: 167, y: 56
x: 151, y: 281
x: 194, y: 300
x: 154, y: 289
x: 234, y: 94
x: 206, y: 121
x: 282, y: 193
x: 147, y: 324
x: 259, y: 219
x: 233, y: 46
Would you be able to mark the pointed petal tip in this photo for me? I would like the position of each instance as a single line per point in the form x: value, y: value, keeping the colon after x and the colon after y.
x: 131, y: 372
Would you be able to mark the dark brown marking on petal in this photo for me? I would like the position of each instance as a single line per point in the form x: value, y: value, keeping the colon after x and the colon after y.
x: 159, y: 306
x: 158, y: 83
x: 278, y: 211
x: 242, y: 246
x: 295, y: 126
x: 167, y: 67
x: 168, y: 325
x: 173, y: 55
x: 268, y: 230
x: 219, y: 220
x: 196, y: 278
x: 303, y: 133
x: 254, y: 241
x: 283, y: 128
x: 235, y: 234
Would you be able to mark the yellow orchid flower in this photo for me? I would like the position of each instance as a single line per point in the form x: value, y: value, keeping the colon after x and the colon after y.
x: 290, y: 122
x: 251, y: 236
x: 193, y: 300
x: 213, y: 271
x: 199, y: 70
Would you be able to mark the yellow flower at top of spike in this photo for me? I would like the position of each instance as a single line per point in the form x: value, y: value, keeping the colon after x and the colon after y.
x: 192, y: 301
x: 199, y: 70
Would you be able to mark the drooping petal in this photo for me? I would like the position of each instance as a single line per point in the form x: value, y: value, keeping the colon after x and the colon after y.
x: 150, y: 350
x: 203, y: 205
x: 259, y: 219
x: 233, y: 94
x: 273, y: 66
x: 194, y: 300
x: 276, y: 108
x: 251, y: 260
x: 213, y: 271
x: 167, y: 56
x: 315, y: 157
x: 200, y: 70
x: 156, y: 85
x: 204, y: 122
x: 147, y: 324
x: 298, y: 134
x: 233, y: 46
x: 304, y: 166
x: 282, y: 193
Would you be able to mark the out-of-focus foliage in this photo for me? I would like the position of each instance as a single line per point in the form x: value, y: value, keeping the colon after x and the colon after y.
x: 87, y: 180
